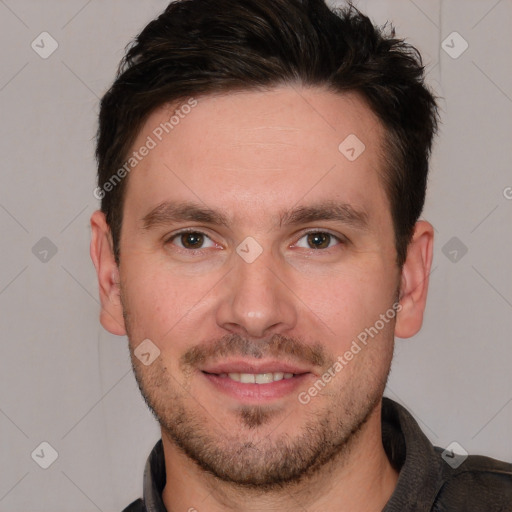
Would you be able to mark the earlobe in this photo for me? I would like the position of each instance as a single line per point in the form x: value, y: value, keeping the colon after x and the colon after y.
x: 102, y: 254
x: 414, y: 281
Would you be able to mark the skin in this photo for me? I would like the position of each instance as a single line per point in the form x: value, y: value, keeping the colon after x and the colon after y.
x: 252, y: 155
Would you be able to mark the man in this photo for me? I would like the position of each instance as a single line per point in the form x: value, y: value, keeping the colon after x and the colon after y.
x: 262, y: 169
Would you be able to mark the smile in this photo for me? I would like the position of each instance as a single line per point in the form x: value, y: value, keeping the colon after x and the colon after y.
x: 254, y: 388
x: 257, y: 378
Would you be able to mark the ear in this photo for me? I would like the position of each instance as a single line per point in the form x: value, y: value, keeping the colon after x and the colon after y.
x: 102, y: 254
x: 414, y: 281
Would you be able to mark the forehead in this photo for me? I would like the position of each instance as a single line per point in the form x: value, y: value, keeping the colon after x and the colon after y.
x: 263, y: 149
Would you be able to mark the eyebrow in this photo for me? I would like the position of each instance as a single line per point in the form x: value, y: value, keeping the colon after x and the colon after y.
x: 172, y: 212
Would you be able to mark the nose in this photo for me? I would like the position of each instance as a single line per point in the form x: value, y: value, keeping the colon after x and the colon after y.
x: 257, y: 301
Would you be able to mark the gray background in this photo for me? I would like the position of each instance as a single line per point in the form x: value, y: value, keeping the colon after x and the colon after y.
x: 69, y: 383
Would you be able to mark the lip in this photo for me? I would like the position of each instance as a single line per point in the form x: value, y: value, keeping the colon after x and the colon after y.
x: 257, y: 393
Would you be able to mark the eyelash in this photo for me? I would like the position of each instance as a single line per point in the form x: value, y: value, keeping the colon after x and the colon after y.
x: 341, y: 240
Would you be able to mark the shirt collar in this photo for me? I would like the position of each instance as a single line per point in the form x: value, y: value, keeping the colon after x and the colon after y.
x: 413, y: 455
x: 407, y: 448
x: 154, y: 480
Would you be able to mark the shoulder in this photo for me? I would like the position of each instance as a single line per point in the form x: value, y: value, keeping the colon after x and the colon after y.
x: 136, y: 506
x: 479, y: 483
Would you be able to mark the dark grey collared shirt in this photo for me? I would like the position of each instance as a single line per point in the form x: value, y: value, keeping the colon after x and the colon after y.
x: 427, y: 482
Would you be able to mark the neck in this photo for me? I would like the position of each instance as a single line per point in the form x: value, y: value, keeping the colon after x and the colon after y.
x: 359, y: 478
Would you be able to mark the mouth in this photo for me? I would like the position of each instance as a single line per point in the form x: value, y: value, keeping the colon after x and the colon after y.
x: 254, y: 383
x: 255, y: 378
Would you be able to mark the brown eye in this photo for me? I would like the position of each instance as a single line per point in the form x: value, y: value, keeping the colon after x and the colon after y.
x: 319, y: 240
x: 192, y: 240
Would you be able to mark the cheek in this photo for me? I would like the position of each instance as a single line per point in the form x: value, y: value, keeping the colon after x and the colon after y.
x: 359, y: 339
x: 348, y: 303
x: 165, y: 303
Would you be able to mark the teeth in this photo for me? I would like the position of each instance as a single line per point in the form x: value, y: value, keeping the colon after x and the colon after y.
x: 247, y: 378
x: 258, y: 378
x: 264, y: 378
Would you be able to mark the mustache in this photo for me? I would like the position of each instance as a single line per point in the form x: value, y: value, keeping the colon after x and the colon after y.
x: 278, y: 346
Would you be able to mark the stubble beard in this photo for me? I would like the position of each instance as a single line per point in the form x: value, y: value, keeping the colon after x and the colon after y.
x: 251, y: 460
x: 264, y: 462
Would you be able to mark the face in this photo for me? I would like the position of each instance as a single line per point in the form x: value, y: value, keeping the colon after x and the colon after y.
x: 254, y: 257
